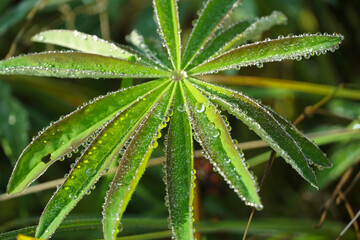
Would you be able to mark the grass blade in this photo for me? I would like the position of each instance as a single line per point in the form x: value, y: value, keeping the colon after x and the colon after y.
x: 69, y: 132
x: 133, y: 163
x: 220, y: 149
x: 298, y: 86
x: 93, y: 162
x: 84, y: 43
x: 167, y: 16
x: 179, y: 171
x: 211, y: 16
x: 279, y: 49
x: 76, y: 65
x: 283, y: 137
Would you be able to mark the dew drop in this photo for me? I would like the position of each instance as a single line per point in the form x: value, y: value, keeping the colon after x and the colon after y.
x: 90, y: 172
x: 181, y: 108
x: 199, y: 107
x: 259, y: 65
x: 41, y: 37
x: 72, y: 196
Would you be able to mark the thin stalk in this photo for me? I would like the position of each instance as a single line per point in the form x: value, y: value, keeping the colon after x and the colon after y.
x: 313, y: 88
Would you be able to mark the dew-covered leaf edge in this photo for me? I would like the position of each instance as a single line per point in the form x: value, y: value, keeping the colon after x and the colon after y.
x: 255, y: 30
x: 193, y: 46
x: 67, y: 38
x: 169, y: 31
x: 270, y: 50
x: 72, y: 64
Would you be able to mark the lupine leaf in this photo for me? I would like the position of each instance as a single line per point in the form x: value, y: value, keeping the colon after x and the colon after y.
x: 220, y: 41
x: 133, y: 163
x: 67, y: 134
x: 92, y: 163
x: 76, y: 65
x: 166, y: 12
x: 179, y: 170
x: 211, y: 16
x: 254, y: 31
x: 293, y: 146
x: 220, y: 149
x: 84, y: 43
x: 150, y: 50
x: 280, y: 49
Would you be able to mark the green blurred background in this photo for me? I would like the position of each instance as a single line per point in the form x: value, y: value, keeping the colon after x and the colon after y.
x: 27, y: 104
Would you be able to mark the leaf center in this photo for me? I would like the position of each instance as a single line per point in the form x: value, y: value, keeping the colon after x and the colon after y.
x: 177, y: 75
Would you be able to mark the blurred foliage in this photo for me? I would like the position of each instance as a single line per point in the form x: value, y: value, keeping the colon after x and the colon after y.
x: 29, y: 104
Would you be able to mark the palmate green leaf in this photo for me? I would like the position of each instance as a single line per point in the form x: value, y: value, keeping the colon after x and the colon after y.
x: 211, y: 16
x: 84, y: 43
x: 133, y: 163
x: 93, y: 162
x: 153, y: 52
x: 254, y: 31
x: 179, y: 170
x: 166, y: 13
x: 220, y: 149
x: 69, y: 132
x: 282, y: 136
x: 76, y: 65
x: 279, y: 49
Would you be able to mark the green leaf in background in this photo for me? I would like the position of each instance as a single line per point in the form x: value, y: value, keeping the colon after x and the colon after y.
x: 15, y: 15
x: 3, y: 5
x: 179, y: 170
x: 279, y: 49
x: 219, y: 148
x: 210, y: 18
x: 68, y: 133
x: 14, y: 124
x: 345, y: 155
x: 166, y: 12
x: 133, y: 163
x: 76, y: 65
